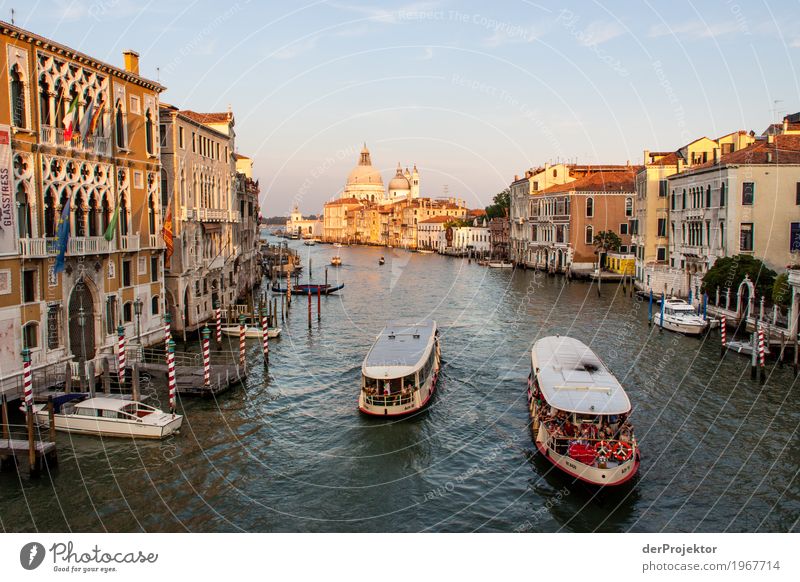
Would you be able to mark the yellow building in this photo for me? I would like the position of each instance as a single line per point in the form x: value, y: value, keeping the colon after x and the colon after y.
x: 110, y: 161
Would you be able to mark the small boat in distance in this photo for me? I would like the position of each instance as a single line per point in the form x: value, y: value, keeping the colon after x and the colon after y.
x: 381, y: 261
x: 310, y: 242
x: 579, y: 413
x: 400, y: 371
x: 745, y: 347
x: 425, y: 251
x: 252, y: 331
x: 681, y: 317
x: 336, y: 261
x: 338, y: 245
x: 500, y: 265
x: 109, y: 417
x: 305, y: 288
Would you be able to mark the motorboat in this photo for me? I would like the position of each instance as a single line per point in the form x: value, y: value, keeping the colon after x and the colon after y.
x: 109, y: 417
x: 579, y: 413
x: 381, y: 261
x: 336, y: 261
x: 400, y: 371
x: 745, y: 347
x: 679, y: 316
x: 252, y: 331
x: 500, y: 265
x: 310, y: 242
x: 337, y: 245
x: 425, y: 251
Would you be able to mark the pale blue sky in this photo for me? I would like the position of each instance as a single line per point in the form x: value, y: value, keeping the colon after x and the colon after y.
x: 472, y: 92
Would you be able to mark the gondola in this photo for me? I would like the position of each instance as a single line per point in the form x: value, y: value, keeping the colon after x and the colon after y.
x: 305, y: 288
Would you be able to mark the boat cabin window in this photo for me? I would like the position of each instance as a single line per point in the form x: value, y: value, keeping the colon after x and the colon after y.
x: 87, y: 412
x: 109, y: 414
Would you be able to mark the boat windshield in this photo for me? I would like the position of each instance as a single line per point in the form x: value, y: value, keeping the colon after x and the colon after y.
x: 389, y: 386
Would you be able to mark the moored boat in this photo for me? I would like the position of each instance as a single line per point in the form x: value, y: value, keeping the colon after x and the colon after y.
x: 400, y: 371
x: 425, y: 251
x: 305, y: 288
x: 500, y: 265
x: 336, y: 260
x: 579, y: 413
x: 680, y: 317
x: 381, y: 261
x: 310, y: 242
x: 109, y: 417
x: 251, y: 331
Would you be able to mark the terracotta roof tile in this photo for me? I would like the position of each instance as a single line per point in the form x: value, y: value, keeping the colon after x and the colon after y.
x: 785, y: 149
x: 436, y: 219
x: 614, y: 181
x: 207, y: 117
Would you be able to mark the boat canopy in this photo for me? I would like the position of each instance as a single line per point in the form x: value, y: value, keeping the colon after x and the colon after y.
x: 399, y: 350
x: 104, y: 403
x: 573, y: 379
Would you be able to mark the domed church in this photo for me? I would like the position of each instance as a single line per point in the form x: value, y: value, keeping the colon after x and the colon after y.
x: 365, y: 183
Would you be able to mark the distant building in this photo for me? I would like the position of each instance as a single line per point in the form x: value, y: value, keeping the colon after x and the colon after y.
x: 246, y: 236
x: 499, y: 228
x: 431, y: 233
x: 304, y: 227
x: 473, y: 239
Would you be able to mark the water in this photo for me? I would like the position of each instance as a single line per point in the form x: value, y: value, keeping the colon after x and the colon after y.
x: 290, y: 452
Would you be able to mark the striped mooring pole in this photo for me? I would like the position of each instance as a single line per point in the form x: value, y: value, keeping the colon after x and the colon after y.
x: 121, y: 354
x: 761, y: 357
x: 265, y: 334
x: 171, y: 374
x: 206, y: 357
x: 723, y: 332
x: 219, y: 325
x: 167, y: 336
x: 242, y: 344
x: 27, y: 380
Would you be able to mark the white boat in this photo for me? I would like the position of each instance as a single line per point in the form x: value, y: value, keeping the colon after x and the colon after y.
x: 110, y: 417
x: 501, y: 265
x: 681, y: 317
x: 251, y: 331
x: 746, y: 348
x: 579, y: 413
x: 400, y: 371
x: 336, y: 261
x: 338, y: 245
x: 425, y: 251
x: 310, y: 242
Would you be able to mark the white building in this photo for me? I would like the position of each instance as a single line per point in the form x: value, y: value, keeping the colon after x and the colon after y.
x: 474, y: 239
x: 431, y: 233
x: 304, y: 227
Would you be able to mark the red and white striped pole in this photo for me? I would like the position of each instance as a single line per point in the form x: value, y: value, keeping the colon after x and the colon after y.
x: 171, y: 382
x: 27, y: 380
x: 265, y: 334
x: 723, y: 332
x: 121, y: 354
x: 167, y: 335
x: 219, y: 325
x: 761, y: 346
x: 206, y: 357
x: 242, y: 344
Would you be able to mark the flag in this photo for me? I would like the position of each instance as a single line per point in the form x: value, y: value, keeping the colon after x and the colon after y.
x: 96, y: 119
x: 70, y: 119
x: 63, y: 236
x: 112, y: 226
x: 166, y: 234
x: 86, y: 120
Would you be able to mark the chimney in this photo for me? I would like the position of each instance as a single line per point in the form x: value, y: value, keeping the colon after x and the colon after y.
x: 646, y: 155
x: 131, y: 61
x: 785, y: 124
x: 716, y: 155
x: 516, y: 177
x: 680, y: 164
x: 769, y: 157
x: 771, y: 138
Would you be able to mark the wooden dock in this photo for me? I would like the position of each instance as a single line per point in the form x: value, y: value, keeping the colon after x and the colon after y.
x: 189, y: 379
x: 18, y: 452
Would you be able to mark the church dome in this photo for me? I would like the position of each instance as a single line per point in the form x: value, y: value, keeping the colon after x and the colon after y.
x: 364, y: 173
x: 399, y: 182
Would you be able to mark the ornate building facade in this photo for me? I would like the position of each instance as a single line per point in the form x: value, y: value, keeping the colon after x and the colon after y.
x: 78, y: 138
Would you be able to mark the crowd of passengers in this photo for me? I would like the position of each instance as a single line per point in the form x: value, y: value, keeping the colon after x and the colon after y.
x: 562, y: 425
x: 390, y: 392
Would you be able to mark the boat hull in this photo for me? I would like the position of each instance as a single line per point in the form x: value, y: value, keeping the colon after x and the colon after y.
x: 304, y: 289
x: 165, y: 425
x: 680, y: 327
x: 252, y: 332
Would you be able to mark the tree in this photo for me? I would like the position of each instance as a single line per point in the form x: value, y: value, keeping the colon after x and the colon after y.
x: 729, y: 272
x: 781, y: 292
x: 605, y: 241
x: 502, y: 201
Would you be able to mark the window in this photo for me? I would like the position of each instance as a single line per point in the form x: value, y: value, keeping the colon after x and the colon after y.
x: 23, y: 212
x: 126, y: 273
x: 153, y: 269
x: 119, y: 126
x: 30, y: 335
x: 661, y: 254
x: 180, y: 138
x: 662, y: 227
x: 135, y: 105
x: 683, y: 202
x: 623, y: 248
x: 536, y: 186
x: 154, y: 307
x: 138, y: 178
x: 722, y: 244
x: 589, y: 207
x: 148, y: 133
x: 794, y: 237
x: 127, y: 312
x: 589, y: 235
x: 18, y: 109
x: 662, y: 188
x: 722, y: 196
x: 194, y: 143
x: 797, y: 194
x: 53, y: 327
x: 29, y: 285
x: 708, y: 196
x: 748, y: 193
x: 623, y: 228
x: 162, y: 134
x: 746, y: 237
x: 629, y: 207
x: 111, y: 315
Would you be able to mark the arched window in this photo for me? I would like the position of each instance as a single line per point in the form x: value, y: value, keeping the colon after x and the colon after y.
x: 151, y: 213
x: 30, y: 335
x: 18, y: 111
x: 80, y: 214
x: 49, y: 213
x: 106, y: 213
x: 127, y: 312
x: 629, y: 207
x: 148, y: 132
x: 44, y: 101
x: 164, y: 188
x: 590, y: 207
x: 119, y: 125
x: 154, y: 305
x: 94, y: 217
x: 722, y: 200
x: 23, y: 213
x: 589, y: 235
x: 123, y: 216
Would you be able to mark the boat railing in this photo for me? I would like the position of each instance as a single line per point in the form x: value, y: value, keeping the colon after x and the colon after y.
x: 397, y: 399
x: 561, y: 445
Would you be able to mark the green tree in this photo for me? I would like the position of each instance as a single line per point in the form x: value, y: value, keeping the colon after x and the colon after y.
x: 781, y: 292
x: 502, y: 201
x: 605, y: 241
x: 729, y: 272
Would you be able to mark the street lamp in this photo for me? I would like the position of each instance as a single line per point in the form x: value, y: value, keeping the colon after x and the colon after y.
x: 137, y: 308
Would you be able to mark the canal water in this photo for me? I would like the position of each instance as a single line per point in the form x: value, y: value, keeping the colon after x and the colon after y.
x: 290, y: 452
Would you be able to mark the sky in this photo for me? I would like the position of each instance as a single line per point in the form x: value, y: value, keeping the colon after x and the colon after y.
x: 471, y: 92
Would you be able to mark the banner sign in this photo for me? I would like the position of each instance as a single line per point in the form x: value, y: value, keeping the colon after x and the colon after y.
x: 8, y: 229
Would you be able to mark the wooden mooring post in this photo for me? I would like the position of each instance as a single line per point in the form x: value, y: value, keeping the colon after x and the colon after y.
x: 106, y: 377
x: 68, y: 378
x: 319, y: 304
x: 4, y: 403
x: 309, y: 308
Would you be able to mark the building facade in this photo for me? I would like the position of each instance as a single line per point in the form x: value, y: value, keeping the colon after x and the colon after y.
x: 246, y: 236
x: 79, y: 140
x: 303, y: 227
x: 199, y: 175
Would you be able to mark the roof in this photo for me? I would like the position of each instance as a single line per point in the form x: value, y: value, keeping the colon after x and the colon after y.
x: 572, y: 378
x: 207, y: 117
x: 400, y: 349
x: 664, y: 159
x: 436, y: 219
x: 611, y: 181
x: 240, y: 157
x: 343, y: 201
x: 784, y: 149
x: 477, y: 212
x: 104, y: 403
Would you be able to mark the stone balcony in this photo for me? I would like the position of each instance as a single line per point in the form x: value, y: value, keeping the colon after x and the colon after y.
x: 32, y: 248
x: 93, y: 144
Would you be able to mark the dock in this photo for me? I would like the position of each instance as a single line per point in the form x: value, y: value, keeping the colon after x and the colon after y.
x: 35, y: 454
x: 189, y: 373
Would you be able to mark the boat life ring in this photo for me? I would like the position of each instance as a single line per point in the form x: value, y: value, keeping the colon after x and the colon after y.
x: 622, y: 451
x: 602, y: 449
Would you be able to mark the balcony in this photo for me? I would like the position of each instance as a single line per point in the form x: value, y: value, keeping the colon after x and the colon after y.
x: 213, y: 215
x: 188, y: 214
x: 129, y: 243
x: 33, y: 248
x: 155, y: 242
x: 93, y: 144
